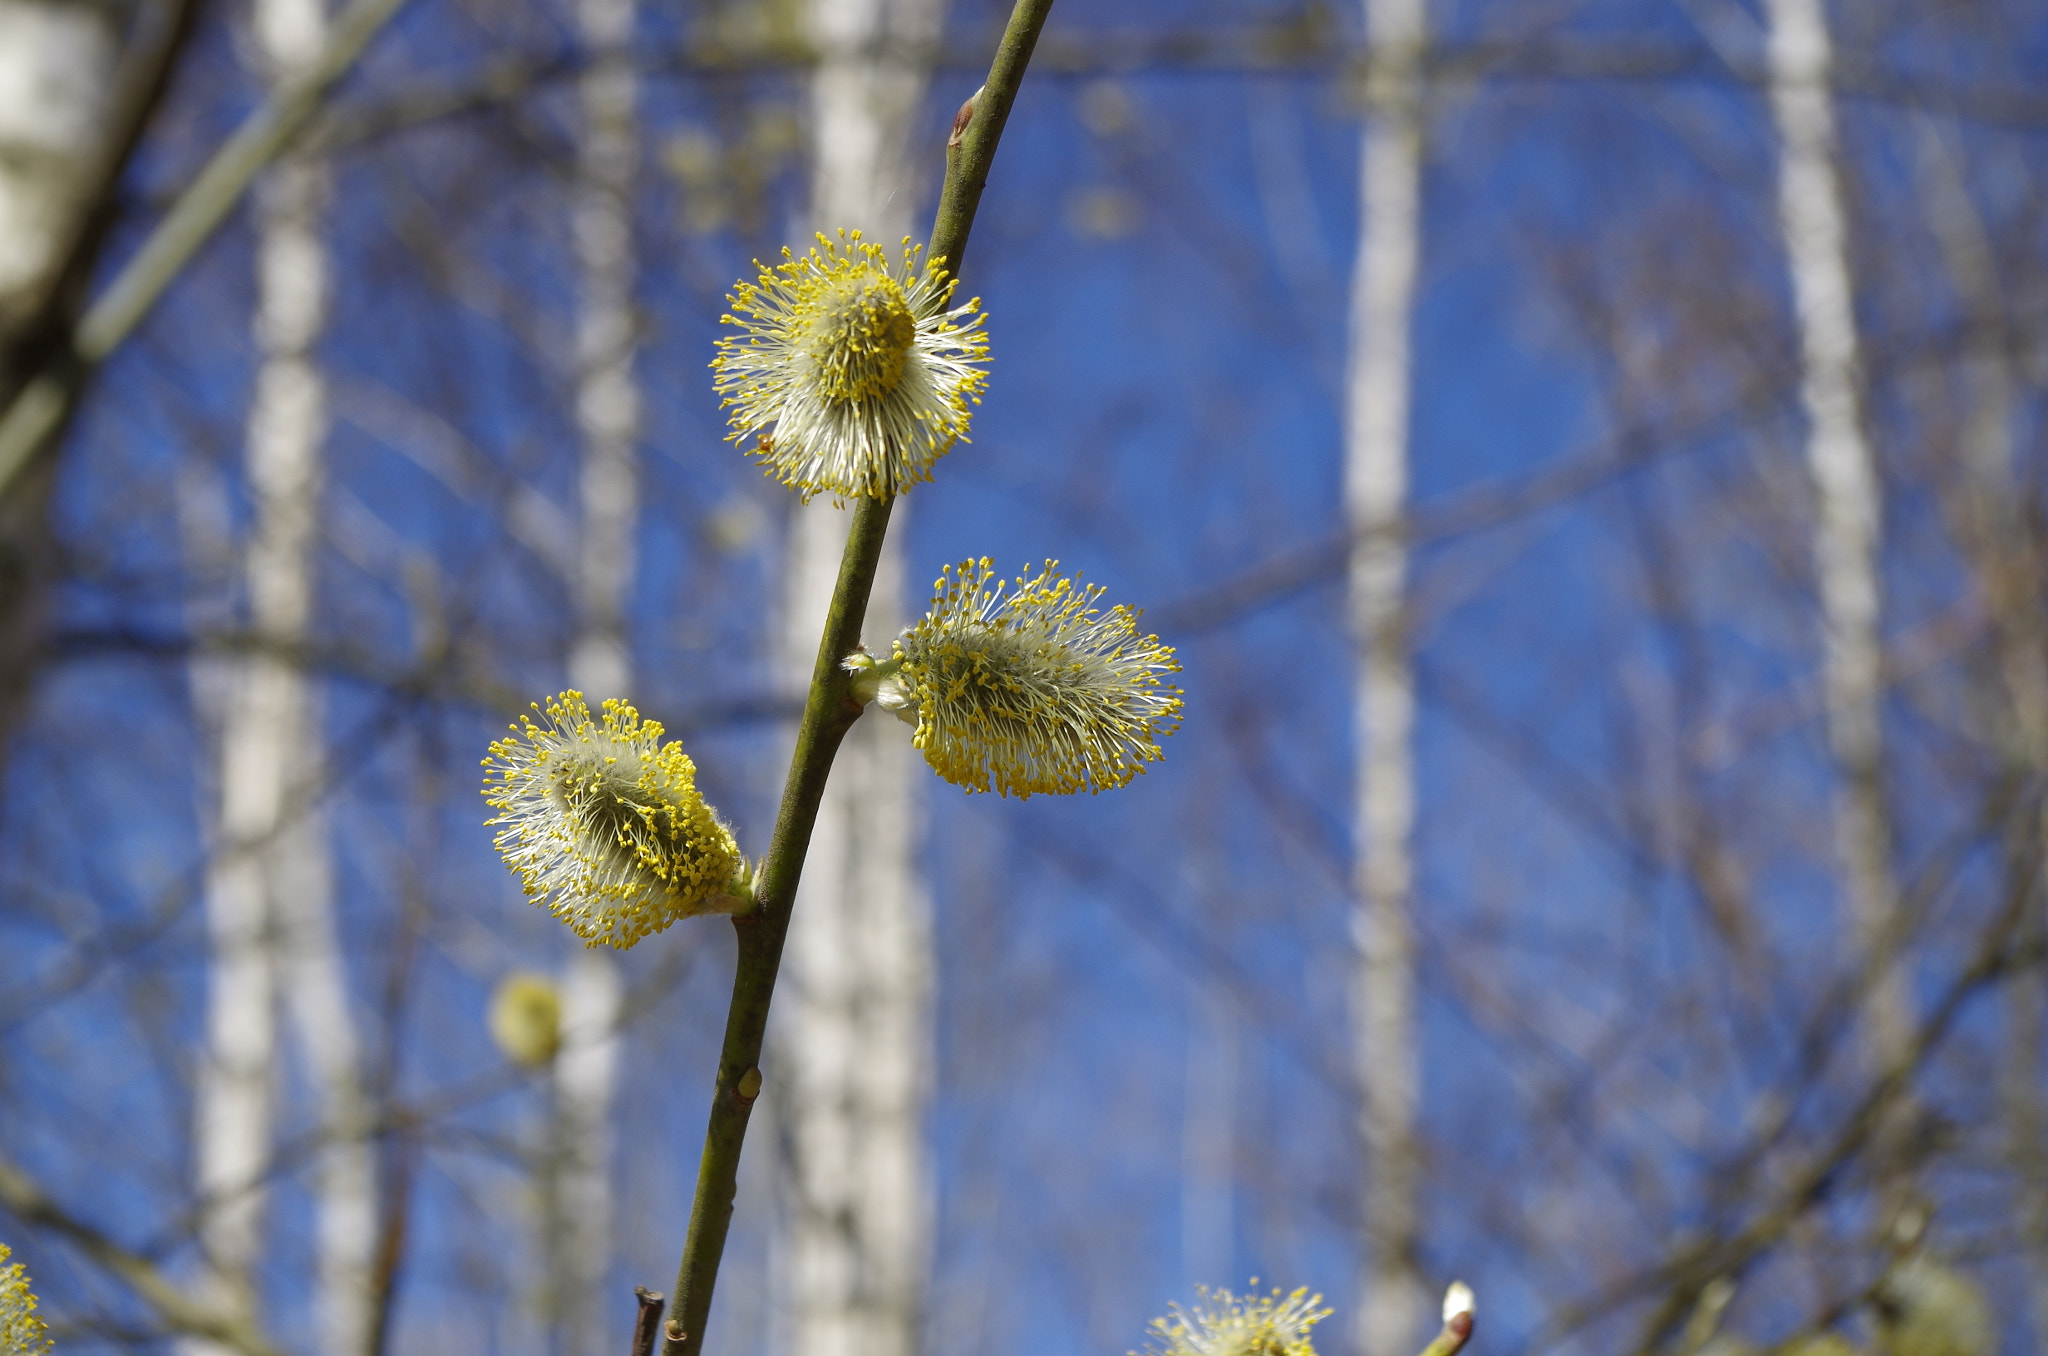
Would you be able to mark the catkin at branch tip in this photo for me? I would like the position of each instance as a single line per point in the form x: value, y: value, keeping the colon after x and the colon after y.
x: 853, y: 375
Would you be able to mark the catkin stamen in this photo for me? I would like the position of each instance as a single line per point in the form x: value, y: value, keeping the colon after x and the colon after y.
x: 1029, y: 688
x: 852, y: 376
x: 604, y: 824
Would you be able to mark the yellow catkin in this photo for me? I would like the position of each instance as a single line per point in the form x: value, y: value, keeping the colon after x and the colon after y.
x: 1029, y: 688
x: 604, y: 824
x: 526, y: 1019
x: 1929, y: 1309
x: 1819, y: 1344
x: 852, y: 376
x: 21, y: 1332
x: 1221, y: 1324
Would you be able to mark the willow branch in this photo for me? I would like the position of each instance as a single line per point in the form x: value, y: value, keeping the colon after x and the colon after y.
x: 829, y: 711
x: 41, y: 406
x: 172, y: 1303
x: 1456, y: 1333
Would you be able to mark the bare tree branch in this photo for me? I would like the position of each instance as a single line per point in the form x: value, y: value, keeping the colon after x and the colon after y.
x: 181, y: 1314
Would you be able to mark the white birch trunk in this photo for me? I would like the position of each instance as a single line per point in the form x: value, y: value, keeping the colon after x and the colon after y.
x: 1391, y: 1305
x: 315, y: 979
x: 608, y: 420
x: 1848, y: 501
x: 231, y: 1104
x: 57, y: 65
x: 578, y: 1249
x: 855, y: 1026
x: 271, y: 897
x: 231, y: 1111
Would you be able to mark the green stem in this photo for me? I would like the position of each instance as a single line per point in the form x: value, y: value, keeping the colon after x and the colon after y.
x: 1452, y: 1339
x: 829, y: 711
x: 967, y: 165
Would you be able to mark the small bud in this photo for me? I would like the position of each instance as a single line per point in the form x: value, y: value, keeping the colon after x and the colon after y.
x: 962, y: 119
x: 750, y: 1085
x: 1459, y: 1299
x: 738, y: 895
x: 882, y: 684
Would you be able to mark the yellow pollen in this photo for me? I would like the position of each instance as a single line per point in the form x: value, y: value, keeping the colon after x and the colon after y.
x: 851, y: 374
x: 604, y: 823
x: 862, y: 336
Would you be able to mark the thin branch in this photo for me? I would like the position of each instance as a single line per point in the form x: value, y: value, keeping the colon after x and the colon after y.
x: 1682, y: 1275
x: 1457, y: 1332
x: 647, y: 1323
x: 829, y: 712
x: 173, y: 1305
x: 1284, y: 48
x: 163, y: 31
x: 43, y: 404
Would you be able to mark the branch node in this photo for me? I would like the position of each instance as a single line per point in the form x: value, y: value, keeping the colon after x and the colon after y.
x: 962, y: 119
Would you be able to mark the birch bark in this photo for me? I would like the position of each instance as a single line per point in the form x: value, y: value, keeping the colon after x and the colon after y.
x: 608, y: 420
x: 1848, y: 502
x: 57, y: 65
x: 855, y: 1028
x: 1392, y: 1305
x: 270, y: 892
x: 232, y: 1102
x: 57, y: 68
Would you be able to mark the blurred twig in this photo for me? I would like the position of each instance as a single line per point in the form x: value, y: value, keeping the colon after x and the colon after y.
x: 1681, y: 1277
x: 177, y: 1310
x: 40, y: 408
x: 647, y: 1323
x: 1457, y: 1331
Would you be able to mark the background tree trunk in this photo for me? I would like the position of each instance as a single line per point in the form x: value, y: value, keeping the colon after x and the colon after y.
x: 57, y: 61
x: 608, y: 419
x: 57, y: 65
x: 856, y: 1023
x: 271, y: 894
x: 1391, y: 1303
x: 1848, y: 504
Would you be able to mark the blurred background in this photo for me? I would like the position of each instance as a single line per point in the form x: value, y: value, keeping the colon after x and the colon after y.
x: 1588, y: 453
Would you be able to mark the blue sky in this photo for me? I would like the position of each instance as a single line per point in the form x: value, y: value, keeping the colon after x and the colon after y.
x: 1163, y: 414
